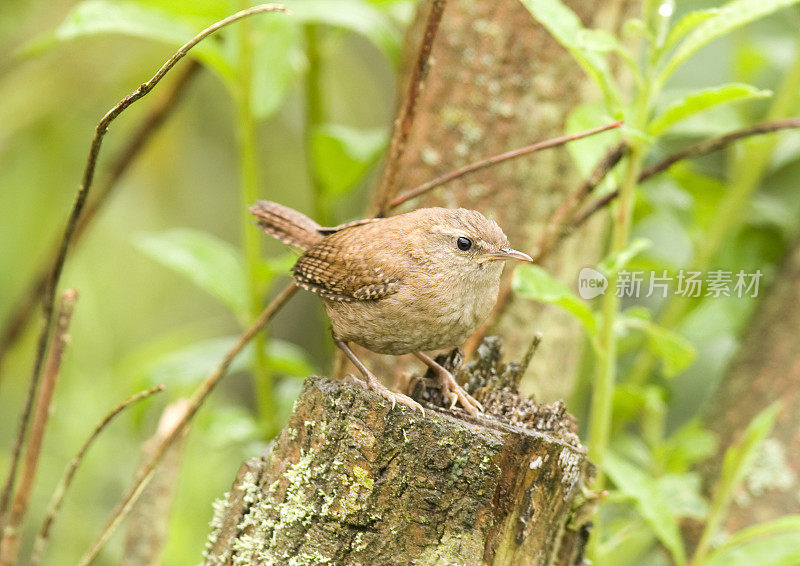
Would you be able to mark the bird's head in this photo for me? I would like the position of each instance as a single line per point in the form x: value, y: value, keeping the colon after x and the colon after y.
x: 464, y: 241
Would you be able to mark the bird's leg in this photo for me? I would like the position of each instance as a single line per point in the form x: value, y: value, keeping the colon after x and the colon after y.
x: 374, y: 383
x: 451, y: 390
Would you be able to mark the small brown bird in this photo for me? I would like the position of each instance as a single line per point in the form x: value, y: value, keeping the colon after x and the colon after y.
x: 424, y: 280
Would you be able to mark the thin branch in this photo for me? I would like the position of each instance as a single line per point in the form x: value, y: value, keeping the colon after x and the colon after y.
x: 72, y: 222
x: 405, y: 118
x: 569, y: 205
x: 145, y: 471
x: 528, y: 357
x: 494, y: 160
x: 57, y: 499
x: 590, y: 209
x: 9, y: 544
x: 703, y: 148
x: 714, y: 144
x: 16, y: 322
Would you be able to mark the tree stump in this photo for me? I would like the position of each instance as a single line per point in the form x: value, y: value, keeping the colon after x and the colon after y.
x: 352, y: 481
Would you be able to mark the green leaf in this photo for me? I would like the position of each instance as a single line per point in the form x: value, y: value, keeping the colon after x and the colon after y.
x: 597, y: 40
x: 277, y: 61
x: 587, y: 152
x: 686, y: 24
x: 566, y: 28
x: 683, y: 494
x: 356, y: 16
x: 650, y: 502
x: 191, y: 364
x: 626, y: 542
x: 617, y: 261
x: 342, y: 155
x: 230, y: 424
x: 675, y: 352
x: 210, y: 263
x: 776, y: 543
x: 94, y: 17
x: 734, y: 14
x: 210, y: 9
x: 740, y: 456
x: 698, y: 101
x: 688, y: 446
x: 533, y: 282
x: 738, y: 460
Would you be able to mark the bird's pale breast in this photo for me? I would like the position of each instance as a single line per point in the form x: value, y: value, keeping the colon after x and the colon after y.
x: 431, y: 314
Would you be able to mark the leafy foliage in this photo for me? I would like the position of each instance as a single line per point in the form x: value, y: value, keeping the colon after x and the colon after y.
x: 690, y: 77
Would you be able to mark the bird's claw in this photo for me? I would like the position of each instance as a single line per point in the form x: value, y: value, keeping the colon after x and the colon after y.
x: 375, y: 385
x: 454, y: 393
x: 354, y: 380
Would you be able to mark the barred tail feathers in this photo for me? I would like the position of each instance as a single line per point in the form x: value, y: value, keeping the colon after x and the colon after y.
x: 286, y: 224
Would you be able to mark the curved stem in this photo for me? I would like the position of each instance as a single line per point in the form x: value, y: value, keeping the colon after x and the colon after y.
x: 248, y: 164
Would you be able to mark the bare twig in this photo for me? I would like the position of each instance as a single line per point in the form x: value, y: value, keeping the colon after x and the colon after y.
x: 703, y: 148
x: 16, y: 322
x: 714, y: 144
x: 591, y: 207
x: 570, y: 204
x: 145, y: 471
x: 532, y: 348
x: 494, y: 160
x: 63, y: 486
x: 405, y: 118
x: 9, y: 547
x: 72, y: 222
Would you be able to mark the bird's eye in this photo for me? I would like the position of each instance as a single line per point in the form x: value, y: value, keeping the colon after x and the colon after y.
x: 464, y: 243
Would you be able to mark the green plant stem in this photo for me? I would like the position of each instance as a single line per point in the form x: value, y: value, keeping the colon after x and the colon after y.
x: 603, y: 394
x: 315, y: 116
x: 747, y: 172
x: 263, y: 382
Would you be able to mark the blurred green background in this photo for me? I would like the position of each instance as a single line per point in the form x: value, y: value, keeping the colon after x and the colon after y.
x: 136, y: 318
x: 141, y: 321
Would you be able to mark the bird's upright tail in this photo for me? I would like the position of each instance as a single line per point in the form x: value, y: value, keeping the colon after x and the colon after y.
x: 286, y: 224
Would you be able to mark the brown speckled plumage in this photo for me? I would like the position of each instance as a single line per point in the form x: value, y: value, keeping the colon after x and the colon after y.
x: 397, y: 285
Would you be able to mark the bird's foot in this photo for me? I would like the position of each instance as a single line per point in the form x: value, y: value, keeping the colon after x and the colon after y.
x: 450, y: 388
x: 455, y: 394
x: 352, y: 379
x: 406, y: 382
x: 375, y: 385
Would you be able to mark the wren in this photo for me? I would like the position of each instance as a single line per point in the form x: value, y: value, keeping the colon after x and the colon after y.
x: 410, y: 283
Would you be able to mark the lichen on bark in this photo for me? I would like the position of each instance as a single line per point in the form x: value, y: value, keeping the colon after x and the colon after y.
x: 352, y: 481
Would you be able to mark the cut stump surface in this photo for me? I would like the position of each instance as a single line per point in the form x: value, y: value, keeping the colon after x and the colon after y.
x: 352, y: 481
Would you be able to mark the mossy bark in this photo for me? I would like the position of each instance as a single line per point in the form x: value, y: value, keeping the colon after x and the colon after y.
x: 352, y: 481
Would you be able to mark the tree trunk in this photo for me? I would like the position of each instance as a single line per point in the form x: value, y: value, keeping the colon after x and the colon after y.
x: 352, y: 481
x: 499, y: 81
x: 765, y: 370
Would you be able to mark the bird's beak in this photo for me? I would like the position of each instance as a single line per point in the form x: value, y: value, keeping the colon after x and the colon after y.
x: 507, y: 253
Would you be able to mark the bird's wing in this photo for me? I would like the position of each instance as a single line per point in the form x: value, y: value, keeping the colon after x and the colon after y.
x: 335, y: 271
